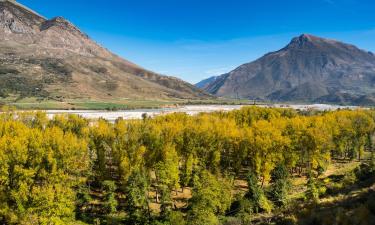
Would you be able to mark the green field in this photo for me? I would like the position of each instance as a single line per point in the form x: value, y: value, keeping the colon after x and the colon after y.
x: 116, y: 104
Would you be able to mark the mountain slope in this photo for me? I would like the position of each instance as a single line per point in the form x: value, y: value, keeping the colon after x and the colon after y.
x: 308, y: 69
x: 54, y: 59
x: 203, y: 84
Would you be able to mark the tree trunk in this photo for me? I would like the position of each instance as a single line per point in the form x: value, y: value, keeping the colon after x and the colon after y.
x: 156, y: 187
x: 157, y: 195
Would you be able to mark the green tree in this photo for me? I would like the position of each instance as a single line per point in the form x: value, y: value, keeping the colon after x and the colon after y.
x: 167, y: 176
x: 280, y: 185
x: 137, y: 202
x: 211, y: 197
x: 256, y: 194
x: 110, y: 201
x: 312, y: 192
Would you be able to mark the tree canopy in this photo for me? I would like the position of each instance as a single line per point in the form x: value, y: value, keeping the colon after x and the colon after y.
x: 69, y: 169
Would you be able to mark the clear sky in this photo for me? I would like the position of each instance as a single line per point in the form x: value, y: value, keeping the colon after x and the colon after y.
x: 195, y: 39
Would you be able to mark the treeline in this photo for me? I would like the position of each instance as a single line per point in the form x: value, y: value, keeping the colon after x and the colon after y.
x: 68, y: 170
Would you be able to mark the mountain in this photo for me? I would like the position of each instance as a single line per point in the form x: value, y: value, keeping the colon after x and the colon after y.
x: 53, y: 59
x: 204, y: 83
x: 308, y: 69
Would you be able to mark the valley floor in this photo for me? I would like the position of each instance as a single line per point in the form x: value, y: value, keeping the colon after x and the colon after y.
x: 112, y: 105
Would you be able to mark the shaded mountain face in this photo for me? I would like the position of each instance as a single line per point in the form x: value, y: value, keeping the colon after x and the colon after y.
x: 308, y: 69
x: 204, y: 83
x: 54, y: 59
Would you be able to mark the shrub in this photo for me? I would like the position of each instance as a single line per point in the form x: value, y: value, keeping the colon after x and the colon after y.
x: 242, y: 209
x: 312, y: 192
x: 364, y: 171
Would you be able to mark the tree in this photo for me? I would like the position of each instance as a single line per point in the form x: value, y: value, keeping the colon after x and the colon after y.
x: 363, y: 126
x: 101, y: 140
x: 187, y: 170
x: 211, y: 197
x: 312, y: 192
x: 137, y: 202
x: 280, y: 185
x: 110, y: 201
x: 268, y: 145
x: 167, y: 175
x: 39, y: 170
x: 256, y: 195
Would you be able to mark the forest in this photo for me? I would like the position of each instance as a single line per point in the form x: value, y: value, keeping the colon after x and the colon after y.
x: 249, y: 166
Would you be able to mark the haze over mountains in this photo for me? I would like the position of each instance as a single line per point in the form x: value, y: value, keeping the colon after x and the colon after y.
x: 308, y: 69
x: 54, y: 59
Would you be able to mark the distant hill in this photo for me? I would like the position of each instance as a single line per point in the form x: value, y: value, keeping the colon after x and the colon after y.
x: 53, y: 59
x: 308, y: 69
x: 204, y: 83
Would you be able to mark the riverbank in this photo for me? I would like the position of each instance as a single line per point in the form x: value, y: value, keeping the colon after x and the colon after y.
x: 188, y: 109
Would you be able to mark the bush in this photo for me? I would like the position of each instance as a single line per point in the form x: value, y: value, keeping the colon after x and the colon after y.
x: 176, y: 218
x: 287, y: 221
x: 202, y: 217
x: 312, y: 192
x: 364, y: 172
x: 242, y: 209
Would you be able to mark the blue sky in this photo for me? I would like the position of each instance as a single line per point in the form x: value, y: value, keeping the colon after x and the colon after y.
x: 195, y: 39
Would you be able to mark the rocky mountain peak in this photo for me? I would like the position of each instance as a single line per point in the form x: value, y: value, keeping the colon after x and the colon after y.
x: 22, y: 25
x: 305, y: 40
x: 306, y: 37
x: 328, y: 47
x: 9, y: 1
x: 18, y: 19
x: 61, y: 23
x: 13, y: 5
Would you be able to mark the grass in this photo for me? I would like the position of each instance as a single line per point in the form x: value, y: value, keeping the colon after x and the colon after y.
x: 33, y: 103
x: 123, y: 104
x: 115, y: 104
x: 45, y: 105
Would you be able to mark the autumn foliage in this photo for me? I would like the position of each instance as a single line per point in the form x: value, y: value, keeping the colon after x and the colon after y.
x: 69, y: 170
